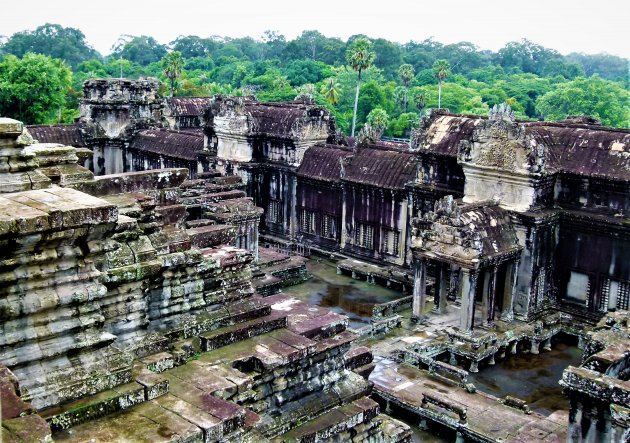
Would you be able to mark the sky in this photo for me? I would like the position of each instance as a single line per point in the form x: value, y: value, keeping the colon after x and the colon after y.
x: 564, y: 25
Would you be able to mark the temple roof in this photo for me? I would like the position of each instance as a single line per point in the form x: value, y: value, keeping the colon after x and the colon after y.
x: 584, y: 149
x: 69, y: 135
x: 386, y: 168
x: 179, y: 144
x: 188, y: 106
x: 576, y: 146
x: 468, y: 234
x: 323, y: 162
x: 274, y: 119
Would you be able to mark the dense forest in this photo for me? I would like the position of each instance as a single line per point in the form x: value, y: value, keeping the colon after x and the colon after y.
x: 42, y: 71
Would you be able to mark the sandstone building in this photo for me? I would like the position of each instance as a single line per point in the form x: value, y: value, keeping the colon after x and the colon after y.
x: 520, y: 226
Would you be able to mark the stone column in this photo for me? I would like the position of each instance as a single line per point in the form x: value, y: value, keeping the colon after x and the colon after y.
x: 444, y: 287
x: 485, y: 293
x: 439, y: 269
x: 468, y: 288
x: 419, y: 290
x: 454, y: 284
x: 509, y: 291
x: 344, y: 234
x: 492, y: 295
x: 293, y: 207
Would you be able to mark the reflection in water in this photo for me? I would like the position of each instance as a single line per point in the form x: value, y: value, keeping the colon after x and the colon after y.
x: 533, y: 378
x: 340, y: 293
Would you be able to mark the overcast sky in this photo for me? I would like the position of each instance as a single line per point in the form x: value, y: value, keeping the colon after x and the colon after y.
x: 564, y: 25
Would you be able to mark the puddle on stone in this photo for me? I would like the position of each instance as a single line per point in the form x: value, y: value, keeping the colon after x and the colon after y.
x: 533, y: 378
x: 340, y: 293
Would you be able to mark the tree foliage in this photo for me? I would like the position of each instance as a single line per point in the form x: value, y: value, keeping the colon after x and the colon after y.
x: 139, y: 49
x: 605, y: 100
x: 67, y: 44
x: 33, y: 89
x: 360, y: 57
x: 172, y: 67
x: 274, y: 68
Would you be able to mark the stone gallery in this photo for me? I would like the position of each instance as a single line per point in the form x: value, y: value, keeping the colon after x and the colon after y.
x: 153, y: 254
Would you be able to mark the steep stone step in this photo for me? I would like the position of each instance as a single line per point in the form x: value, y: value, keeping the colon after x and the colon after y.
x: 211, y: 235
x: 159, y: 362
x: 154, y: 385
x: 241, y: 331
x: 237, y: 312
x: 333, y: 422
x: 99, y: 405
x: 292, y: 414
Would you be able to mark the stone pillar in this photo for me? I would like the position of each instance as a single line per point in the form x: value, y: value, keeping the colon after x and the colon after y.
x: 439, y: 269
x: 459, y: 438
x: 468, y: 288
x: 513, y: 347
x: 419, y: 290
x: 293, y: 207
x: 575, y: 420
x: 344, y: 233
x: 508, y: 292
x: 485, y: 294
x: 455, y: 282
x: 474, y: 366
x: 492, y: 295
x: 443, y: 294
x: 452, y: 360
x: 547, y: 344
x: 535, y: 346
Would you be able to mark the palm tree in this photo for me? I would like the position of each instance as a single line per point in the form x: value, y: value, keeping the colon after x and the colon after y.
x: 378, y: 119
x: 360, y: 57
x: 330, y: 89
x: 441, y: 70
x: 406, y: 74
x: 420, y: 99
x: 172, y: 67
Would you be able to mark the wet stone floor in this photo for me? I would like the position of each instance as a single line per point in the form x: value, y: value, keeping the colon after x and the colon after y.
x: 533, y: 378
x: 340, y: 293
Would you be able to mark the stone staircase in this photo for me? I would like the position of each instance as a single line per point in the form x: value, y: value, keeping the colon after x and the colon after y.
x: 273, y: 357
x: 276, y: 270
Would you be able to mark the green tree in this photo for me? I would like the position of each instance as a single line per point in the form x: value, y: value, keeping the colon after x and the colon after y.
x: 330, y: 90
x: 360, y: 57
x: 401, y: 126
x: 441, y: 70
x: 607, y: 66
x: 172, y: 67
x: 192, y: 46
x: 378, y: 119
x: 526, y: 56
x: 607, y: 101
x: 420, y: 98
x: 33, y: 89
x: 139, y: 49
x: 300, y: 72
x: 68, y: 44
x: 406, y: 73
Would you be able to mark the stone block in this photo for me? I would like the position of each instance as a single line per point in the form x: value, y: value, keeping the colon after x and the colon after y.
x: 154, y: 385
x: 10, y: 128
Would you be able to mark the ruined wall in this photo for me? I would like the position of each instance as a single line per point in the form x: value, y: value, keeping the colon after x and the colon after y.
x: 608, y: 196
x: 535, y: 288
x: 112, y: 111
x: 380, y: 209
x: 323, y: 200
x: 593, y: 263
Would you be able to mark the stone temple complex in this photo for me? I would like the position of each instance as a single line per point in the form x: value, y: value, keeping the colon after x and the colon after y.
x: 151, y: 252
